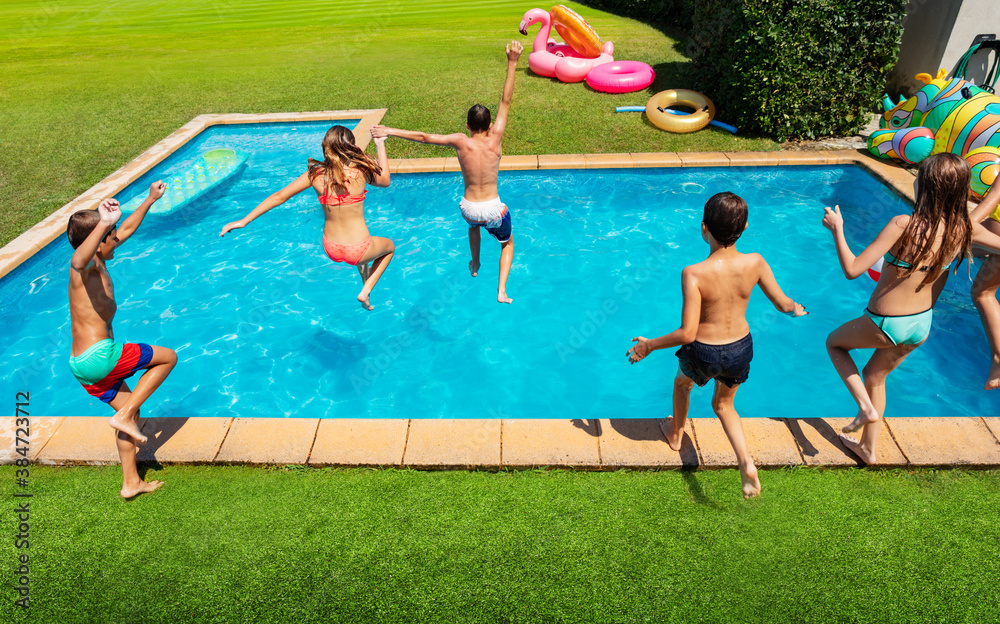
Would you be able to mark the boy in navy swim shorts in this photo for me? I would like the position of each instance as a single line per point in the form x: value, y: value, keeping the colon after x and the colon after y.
x: 479, y: 157
x: 714, y: 337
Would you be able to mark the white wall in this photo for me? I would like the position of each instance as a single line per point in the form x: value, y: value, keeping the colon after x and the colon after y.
x: 936, y: 33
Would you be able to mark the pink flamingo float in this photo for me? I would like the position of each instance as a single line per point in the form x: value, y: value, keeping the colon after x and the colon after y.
x: 553, y: 60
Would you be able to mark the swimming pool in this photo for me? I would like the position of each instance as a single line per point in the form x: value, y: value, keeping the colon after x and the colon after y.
x: 265, y: 325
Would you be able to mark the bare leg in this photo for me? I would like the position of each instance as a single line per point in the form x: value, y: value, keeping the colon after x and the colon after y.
x: 132, y: 483
x: 363, y: 270
x: 722, y: 403
x: 882, y: 362
x: 861, y: 333
x: 380, y: 255
x: 984, y: 295
x: 474, y: 240
x: 506, y: 260
x: 682, y: 395
x: 126, y: 418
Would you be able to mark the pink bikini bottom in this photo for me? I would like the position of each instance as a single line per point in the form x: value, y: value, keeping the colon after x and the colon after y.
x: 349, y: 254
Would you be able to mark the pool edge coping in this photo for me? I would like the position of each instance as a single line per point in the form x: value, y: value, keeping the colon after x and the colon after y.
x: 500, y: 444
x: 27, y: 244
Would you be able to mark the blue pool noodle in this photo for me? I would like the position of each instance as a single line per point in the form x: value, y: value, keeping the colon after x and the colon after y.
x: 642, y: 109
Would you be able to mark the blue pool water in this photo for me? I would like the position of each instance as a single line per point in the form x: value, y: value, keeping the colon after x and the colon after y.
x: 265, y: 325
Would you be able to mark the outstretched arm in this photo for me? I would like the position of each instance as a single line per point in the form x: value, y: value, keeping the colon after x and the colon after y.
x: 855, y: 266
x: 110, y: 213
x: 300, y: 184
x: 769, y: 285
x: 134, y: 220
x: 688, y: 331
x: 383, y: 162
x: 451, y: 140
x: 513, y: 54
x: 985, y: 239
x: 988, y: 205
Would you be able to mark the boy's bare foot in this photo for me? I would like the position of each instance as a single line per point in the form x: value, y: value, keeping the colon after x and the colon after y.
x: 674, y: 439
x: 473, y: 268
x: 863, y: 418
x: 503, y: 298
x: 363, y: 300
x: 993, y: 380
x: 127, y: 426
x: 855, y: 447
x: 141, y: 488
x: 751, y: 484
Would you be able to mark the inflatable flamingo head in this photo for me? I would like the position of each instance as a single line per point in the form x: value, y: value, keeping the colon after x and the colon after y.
x: 533, y: 16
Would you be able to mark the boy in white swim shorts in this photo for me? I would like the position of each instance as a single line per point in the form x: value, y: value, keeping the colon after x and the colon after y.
x: 479, y: 156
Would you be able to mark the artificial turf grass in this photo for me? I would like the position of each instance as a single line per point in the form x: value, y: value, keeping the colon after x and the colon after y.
x: 239, y: 544
x: 89, y: 88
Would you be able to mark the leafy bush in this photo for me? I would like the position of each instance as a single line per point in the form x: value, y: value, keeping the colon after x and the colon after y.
x: 794, y: 68
x: 662, y: 12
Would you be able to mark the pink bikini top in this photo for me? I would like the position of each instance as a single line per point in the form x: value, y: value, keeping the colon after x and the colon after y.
x: 342, y: 200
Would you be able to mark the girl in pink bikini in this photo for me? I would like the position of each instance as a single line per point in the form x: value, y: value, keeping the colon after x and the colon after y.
x: 339, y: 180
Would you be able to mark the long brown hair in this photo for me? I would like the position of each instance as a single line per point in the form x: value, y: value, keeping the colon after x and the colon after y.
x: 942, y: 194
x: 339, y: 154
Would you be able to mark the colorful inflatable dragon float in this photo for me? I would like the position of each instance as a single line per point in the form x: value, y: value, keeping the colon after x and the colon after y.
x: 947, y: 115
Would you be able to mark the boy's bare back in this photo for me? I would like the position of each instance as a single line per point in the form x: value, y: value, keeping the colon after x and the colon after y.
x: 724, y: 283
x: 479, y: 156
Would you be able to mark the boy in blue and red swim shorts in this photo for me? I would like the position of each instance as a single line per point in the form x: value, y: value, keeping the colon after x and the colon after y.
x: 99, y: 363
x: 714, y: 337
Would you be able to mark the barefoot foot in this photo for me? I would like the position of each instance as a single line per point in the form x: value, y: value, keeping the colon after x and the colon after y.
x: 503, y: 298
x: 674, y: 438
x: 863, y: 418
x: 855, y: 447
x: 363, y: 300
x: 128, y: 426
x: 751, y: 484
x: 140, y: 488
x: 473, y: 268
x: 993, y: 380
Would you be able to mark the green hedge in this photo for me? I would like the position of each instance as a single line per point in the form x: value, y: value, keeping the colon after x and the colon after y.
x: 663, y: 12
x: 794, y: 68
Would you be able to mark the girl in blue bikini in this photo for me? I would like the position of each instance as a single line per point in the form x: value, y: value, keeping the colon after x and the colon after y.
x: 918, y: 250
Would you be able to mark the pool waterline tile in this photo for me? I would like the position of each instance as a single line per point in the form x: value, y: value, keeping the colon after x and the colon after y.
x: 639, y: 443
x: 183, y: 440
x: 532, y: 443
x: 269, y: 441
x: 434, y: 443
x: 946, y: 441
x: 769, y: 442
x: 819, y: 443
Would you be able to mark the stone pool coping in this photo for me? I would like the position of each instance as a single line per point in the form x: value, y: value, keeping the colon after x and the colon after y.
x: 487, y: 444
x: 607, y: 444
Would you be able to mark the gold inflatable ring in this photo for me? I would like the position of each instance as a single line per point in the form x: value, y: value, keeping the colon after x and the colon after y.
x: 659, y: 113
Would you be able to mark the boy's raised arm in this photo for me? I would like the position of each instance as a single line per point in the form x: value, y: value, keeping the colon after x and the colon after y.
x: 688, y: 331
x: 513, y: 54
x: 769, y: 285
x: 134, y: 220
x: 110, y: 213
x: 379, y: 132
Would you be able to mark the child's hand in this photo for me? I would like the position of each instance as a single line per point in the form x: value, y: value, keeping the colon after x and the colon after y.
x: 156, y: 189
x: 379, y: 140
x: 380, y: 132
x: 800, y: 310
x: 639, y: 351
x: 832, y: 219
x: 514, y: 49
x: 110, y: 212
x: 235, y: 225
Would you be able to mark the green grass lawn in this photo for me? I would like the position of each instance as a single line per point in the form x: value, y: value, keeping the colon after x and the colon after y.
x: 238, y: 544
x: 87, y: 85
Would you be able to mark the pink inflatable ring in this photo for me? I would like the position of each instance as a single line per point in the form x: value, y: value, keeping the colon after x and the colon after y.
x: 621, y: 77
